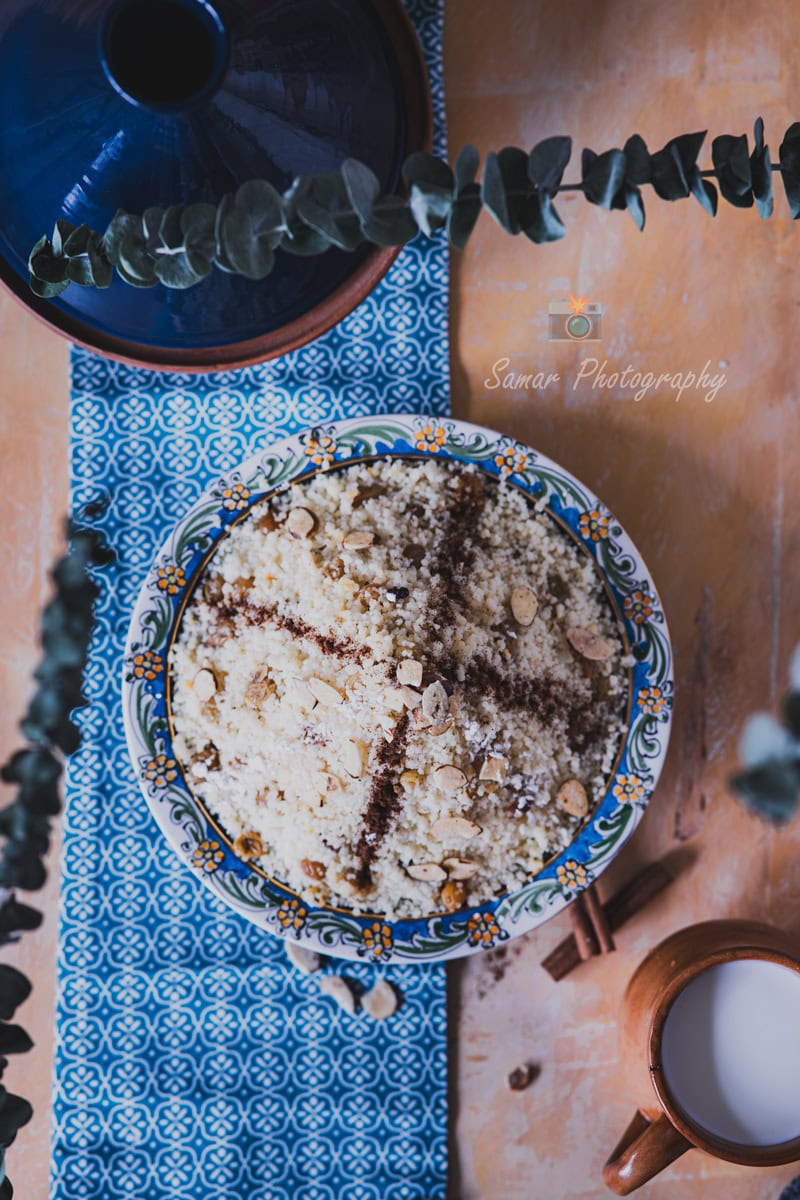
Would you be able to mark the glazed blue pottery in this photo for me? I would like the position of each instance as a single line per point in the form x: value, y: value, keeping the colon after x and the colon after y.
x: 108, y: 104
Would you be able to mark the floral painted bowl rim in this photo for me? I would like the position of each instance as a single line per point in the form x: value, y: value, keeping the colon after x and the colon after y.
x: 197, y: 838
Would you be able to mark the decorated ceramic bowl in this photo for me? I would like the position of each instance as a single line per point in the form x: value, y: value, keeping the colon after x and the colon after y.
x: 204, y: 846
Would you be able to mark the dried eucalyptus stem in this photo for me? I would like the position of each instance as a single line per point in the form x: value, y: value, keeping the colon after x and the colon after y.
x: 770, y: 753
x: 179, y: 245
x: 66, y: 628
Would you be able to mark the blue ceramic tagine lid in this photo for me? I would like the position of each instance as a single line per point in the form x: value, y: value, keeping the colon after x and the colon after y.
x: 109, y: 104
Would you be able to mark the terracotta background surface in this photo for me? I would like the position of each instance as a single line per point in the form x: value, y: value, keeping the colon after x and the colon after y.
x: 710, y: 491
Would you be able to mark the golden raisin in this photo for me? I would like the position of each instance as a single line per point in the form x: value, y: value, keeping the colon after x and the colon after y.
x: 313, y: 869
x: 248, y: 845
x: 453, y: 895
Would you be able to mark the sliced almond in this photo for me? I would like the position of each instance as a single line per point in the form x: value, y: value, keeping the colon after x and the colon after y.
x: 461, y: 868
x: 447, y: 828
x: 380, y: 1001
x: 204, y: 685
x: 353, y: 758
x: 453, y: 896
x: 435, y: 730
x: 524, y: 605
x: 573, y: 799
x: 494, y: 767
x: 589, y: 645
x: 337, y: 987
x: 419, y: 719
x: 409, y: 671
x: 410, y: 698
x: 358, y: 539
x: 307, y: 961
x: 324, y: 692
x: 427, y: 872
x: 298, y: 692
x: 301, y: 522
x: 409, y: 779
x: 248, y: 845
x: 449, y: 777
x: 259, y: 690
x: 435, y: 704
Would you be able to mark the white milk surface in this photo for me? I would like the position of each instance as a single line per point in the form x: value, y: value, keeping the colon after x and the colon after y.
x: 731, y: 1052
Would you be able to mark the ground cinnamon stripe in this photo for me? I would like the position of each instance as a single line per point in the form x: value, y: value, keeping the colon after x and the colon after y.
x: 263, y: 614
x: 383, y: 803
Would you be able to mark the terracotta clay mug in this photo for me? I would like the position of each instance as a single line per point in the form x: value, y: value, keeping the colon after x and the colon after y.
x: 710, y: 1040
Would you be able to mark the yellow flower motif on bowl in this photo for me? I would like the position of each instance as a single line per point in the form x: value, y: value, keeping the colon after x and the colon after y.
x: 161, y: 770
x: 321, y: 450
x: 639, y: 607
x: 653, y: 701
x: 628, y: 789
x: 572, y: 874
x: 208, y: 856
x: 482, y: 930
x: 147, y: 665
x: 171, y: 579
x: 510, y: 461
x: 593, y: 525
x: 292, y: 914
x: 236, y: 497
x: 378, y: 940
x: 430, y: 439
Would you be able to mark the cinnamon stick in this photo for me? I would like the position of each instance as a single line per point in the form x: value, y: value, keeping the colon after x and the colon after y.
x: 597, y: 915
x: 582, y: 932
x: 630, y: 899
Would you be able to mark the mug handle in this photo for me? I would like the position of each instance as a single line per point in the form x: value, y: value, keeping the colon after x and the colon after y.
x: 645, y: 1148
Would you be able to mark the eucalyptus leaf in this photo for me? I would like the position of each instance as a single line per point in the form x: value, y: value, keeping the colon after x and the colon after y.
x: 391, y: 223
x: 102, y: 271
x: 151, y: 224
x: 430, y: 206
x: 183, y: 269
x: 170, y: 234
x: 464, y: 213
x: 47, y: 291
x: 422, y: 168
x: 673, y: 166
x: 61, y: 232
x: 791, y: 713
x: 547, y: 162
x: 14, y: 1113
x: 466, y: 168
x: 761, y: 172
x: 77, y: 242
x: 638, y: 164
x: 363, y: 188
x: 48, y: 267
x: 634, y: 204
x: 14, y: 1039
x: 326, y: 207
x: 135, y: 261
x: 119, y: 227
x: 197, y: 226
x: 17, y: 918
x: 603, y: 177
x: 248, y: 244
x: 221, y: 259
x: 704, y: 191
x: 14, y: 990
x: 771, y: 789
x: 789, y: 155
x: 732, y: 165
x: 507, y: 191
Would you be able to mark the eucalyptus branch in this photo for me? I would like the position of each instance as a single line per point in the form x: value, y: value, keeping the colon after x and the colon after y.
x: 179, y: 245
x: 66, y: 628
x: 770, y: 753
